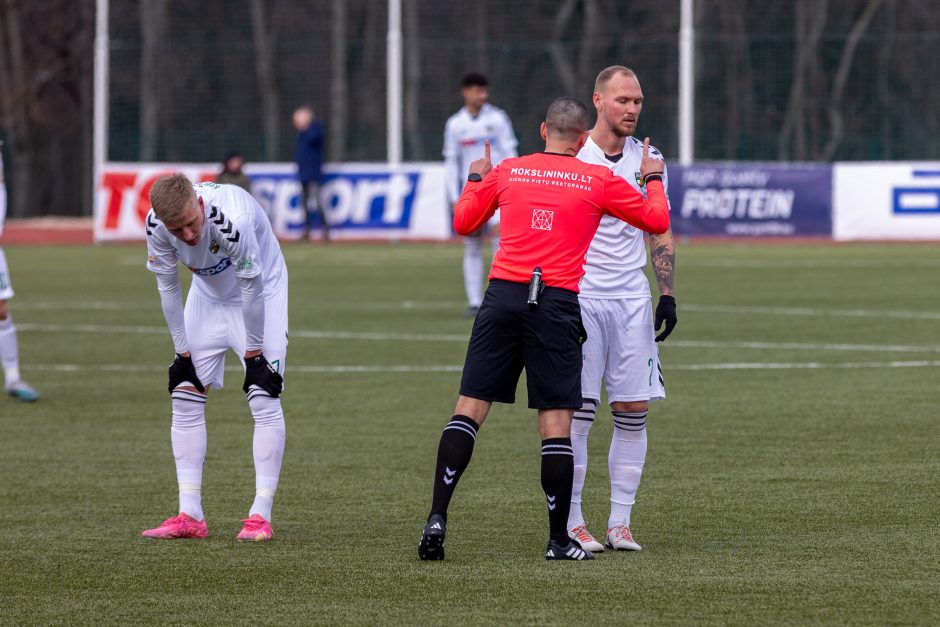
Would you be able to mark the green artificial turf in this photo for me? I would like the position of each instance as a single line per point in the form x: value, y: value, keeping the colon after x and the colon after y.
x: 803, y: 493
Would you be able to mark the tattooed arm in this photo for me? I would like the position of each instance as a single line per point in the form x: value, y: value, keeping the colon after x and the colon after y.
x: 663, y: 257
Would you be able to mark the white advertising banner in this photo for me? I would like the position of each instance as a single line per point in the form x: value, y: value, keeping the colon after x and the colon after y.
x: 886, y: 201
x: 362, y: 200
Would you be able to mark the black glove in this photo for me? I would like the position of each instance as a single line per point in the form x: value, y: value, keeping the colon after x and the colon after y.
x: 259, y: 372
x: 665, y: 312
x: 183, y: 370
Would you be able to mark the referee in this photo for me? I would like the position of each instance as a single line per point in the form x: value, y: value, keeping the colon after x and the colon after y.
x: 551, y: 204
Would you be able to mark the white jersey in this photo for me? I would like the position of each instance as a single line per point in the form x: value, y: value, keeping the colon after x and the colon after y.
x: 463, y: 143
x: 236, y: 241
x: 616, y: 259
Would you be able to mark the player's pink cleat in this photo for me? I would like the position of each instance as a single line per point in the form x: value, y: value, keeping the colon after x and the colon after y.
x: 256, y: 529
x: 181, y: 526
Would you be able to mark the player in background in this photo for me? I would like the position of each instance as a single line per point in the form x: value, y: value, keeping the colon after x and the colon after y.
x: 238, y: 301
x: 9, y: 349
x: 464, y: 135
x: 616, y: 308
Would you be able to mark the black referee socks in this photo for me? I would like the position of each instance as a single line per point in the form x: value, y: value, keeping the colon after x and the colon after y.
x: 557, y: 477
x: 453, y: 456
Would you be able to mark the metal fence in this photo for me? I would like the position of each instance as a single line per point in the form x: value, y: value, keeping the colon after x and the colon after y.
x: 815, y: 80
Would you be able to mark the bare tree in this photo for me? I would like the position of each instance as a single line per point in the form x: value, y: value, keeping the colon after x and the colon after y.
x: 41, y: 102
x: 14, y: 105
x: 738, y: 73
x: 412, y: 95
x: 264, y: 38
x: 808, y: 28
x: 339, y: 88
x: 836, y: 114
x: 153, y: 36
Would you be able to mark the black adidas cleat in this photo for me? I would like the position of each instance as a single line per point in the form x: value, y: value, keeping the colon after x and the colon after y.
x: 431, y: 546
x: 570, y: 551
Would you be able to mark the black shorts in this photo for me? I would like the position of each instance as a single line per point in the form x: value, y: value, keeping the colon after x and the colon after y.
x: 509, y: 335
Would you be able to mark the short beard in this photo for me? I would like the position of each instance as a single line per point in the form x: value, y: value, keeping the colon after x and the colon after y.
x: 616, y: 131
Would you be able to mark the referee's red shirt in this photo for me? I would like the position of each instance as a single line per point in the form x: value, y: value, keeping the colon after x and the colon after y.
x: 550, y: 206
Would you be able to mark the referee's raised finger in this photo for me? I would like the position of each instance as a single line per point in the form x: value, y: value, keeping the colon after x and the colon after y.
x: 646, y: 147
x: 486, y: 149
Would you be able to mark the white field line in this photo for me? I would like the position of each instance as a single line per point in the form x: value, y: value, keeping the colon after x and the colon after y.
x: 452, y: 305
x: 811, y: 311
x: 291, y: 368
x: 811, y: 264
x: 443, y: 337
x: 314, y: 369
x: 810, y: 346
x: 306, y: 334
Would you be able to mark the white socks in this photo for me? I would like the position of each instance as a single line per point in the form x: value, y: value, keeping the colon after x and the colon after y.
x: 188, y: 435
x: 268, y: 448
x: 580, y: 429
x: 625, y: 463
x: 473, y: 270
x: 9, y: 352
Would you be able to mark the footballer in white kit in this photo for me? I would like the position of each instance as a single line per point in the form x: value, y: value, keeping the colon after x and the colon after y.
x: 464, y: 135
x: 617, y: 313
x: 9, y: 348
x: 238, y: 301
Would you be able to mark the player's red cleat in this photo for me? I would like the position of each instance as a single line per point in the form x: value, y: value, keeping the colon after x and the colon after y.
x: 181, y: 526
x: 256, y: 529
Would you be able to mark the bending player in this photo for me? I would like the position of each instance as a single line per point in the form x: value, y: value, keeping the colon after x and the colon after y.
x: 9, y: 349
x: 616, y: 309
x: 238, y: 301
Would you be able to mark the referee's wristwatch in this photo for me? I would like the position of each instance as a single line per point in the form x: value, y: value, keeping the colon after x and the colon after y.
x: 474, y: 177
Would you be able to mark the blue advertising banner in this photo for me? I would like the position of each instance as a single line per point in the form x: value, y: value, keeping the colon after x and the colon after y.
x: 751, y: 200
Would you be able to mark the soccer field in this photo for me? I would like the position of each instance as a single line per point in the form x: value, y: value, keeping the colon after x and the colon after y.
x: 792, y: 474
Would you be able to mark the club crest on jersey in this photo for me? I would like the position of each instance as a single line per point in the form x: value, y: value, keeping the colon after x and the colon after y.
x: 639, y: 178
x: 542, y: 219
x: 214, y: 247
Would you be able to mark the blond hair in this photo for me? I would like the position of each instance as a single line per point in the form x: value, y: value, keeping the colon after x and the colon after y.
x: 171, y: 196
x: 608, y: 73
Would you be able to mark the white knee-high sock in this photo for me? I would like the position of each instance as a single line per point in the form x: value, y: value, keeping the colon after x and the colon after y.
x: 9, y: 351
x: 580, y: 429
x: 188, y: 434
x: 270, y: 434
x: 625, y: 463
x: 473, y: 270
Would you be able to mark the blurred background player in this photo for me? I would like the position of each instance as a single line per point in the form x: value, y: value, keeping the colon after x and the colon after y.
x: 238, y: 301
x: 309, y: 158
x: 464, y: 134
x: 9, y: 350
x: 616, y: 308
x: 231, y: 173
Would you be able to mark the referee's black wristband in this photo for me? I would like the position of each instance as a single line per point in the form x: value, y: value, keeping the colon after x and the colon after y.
x: 653, y: 177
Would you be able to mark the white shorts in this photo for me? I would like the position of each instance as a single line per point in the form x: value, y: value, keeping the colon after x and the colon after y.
x: 620, y: 350
x: 6, y: 288
x: 213, y: 328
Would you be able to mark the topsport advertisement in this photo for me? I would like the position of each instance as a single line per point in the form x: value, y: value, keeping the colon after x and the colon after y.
x: 362, y: 201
